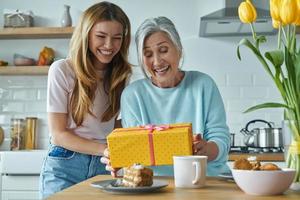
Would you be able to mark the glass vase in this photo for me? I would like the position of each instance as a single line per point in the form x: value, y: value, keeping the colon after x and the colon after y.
x: 292, y: 150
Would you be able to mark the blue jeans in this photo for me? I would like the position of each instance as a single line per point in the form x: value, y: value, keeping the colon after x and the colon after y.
x: 63, y: 168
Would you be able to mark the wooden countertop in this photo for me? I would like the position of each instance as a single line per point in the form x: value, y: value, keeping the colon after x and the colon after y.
x: 215, y: 188
x: 275, y: 157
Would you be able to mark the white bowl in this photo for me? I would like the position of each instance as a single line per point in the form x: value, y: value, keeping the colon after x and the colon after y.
x: 264, y: 182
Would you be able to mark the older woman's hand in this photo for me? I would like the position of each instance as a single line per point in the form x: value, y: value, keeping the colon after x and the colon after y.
x: 105, y: 160
x: 199, y: 145
x: 202, y: 147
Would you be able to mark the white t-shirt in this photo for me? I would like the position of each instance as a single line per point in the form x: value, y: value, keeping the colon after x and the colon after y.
x: 60, y: 86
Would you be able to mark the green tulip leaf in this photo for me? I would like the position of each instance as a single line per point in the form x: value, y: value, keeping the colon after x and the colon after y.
x: 267, y: 105
x: 275, y: 57
x: 248, y: 44
x: 297, y: 71
x: 290, y: 67
x: 262, y: 38
x: 257, y: 53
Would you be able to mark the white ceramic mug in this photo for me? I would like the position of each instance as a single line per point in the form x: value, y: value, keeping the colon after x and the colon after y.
x: 190, y: 171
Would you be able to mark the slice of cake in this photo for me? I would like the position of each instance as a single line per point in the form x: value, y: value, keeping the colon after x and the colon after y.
x: 137, y: 176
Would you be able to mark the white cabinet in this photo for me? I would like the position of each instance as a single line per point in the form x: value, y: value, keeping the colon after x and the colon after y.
x: 19, y: 174
x: 20, y: 195
x: 17, y: 187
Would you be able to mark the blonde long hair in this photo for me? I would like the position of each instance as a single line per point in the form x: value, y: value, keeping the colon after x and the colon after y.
x: 118, y: 70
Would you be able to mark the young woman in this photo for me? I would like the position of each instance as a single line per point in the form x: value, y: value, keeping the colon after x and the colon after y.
x: 171, y: 95
x: 83, y: 99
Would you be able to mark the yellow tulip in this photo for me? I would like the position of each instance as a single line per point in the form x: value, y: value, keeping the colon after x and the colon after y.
x: 275, y: 9
x: 247, y: 12
x: 288, y: 11
x: 275, y: 23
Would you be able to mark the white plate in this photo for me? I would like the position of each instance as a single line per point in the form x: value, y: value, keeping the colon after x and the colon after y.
x: 226, y: 176
x: 112, y: 186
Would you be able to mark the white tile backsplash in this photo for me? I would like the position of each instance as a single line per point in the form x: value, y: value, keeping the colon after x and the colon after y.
x: 29, y: 99
x: 254, y: 92
x: 12, y: 106
x: 25, y: 94
x: 35, y: 106
x: 240, y: 80
x: 21, y: 97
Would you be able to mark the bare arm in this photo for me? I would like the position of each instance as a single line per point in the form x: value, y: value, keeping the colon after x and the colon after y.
x: 64, y: 137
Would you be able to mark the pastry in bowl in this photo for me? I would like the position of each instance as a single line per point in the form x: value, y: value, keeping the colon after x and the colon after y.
x: 262, y: 178
x: 262, y: 182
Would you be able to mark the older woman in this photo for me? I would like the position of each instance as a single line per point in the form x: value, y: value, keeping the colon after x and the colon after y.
x: 171, y: 95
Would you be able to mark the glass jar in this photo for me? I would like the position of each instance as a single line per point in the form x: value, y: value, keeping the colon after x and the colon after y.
x: 30, y: 139
x: 17, y: 134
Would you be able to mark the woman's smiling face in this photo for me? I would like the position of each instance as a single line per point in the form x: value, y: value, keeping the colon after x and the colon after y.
x: 105, y: 40
x: 161, y: 59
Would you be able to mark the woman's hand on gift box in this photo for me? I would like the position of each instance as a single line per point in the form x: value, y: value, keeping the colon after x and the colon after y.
x: 199, y: 145
x: 205, y: 148
x: 105, y: 160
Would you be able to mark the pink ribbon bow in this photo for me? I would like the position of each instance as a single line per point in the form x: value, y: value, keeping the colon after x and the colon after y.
x: 151, y: 128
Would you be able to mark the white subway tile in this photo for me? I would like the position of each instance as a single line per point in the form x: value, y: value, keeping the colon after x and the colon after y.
x: 273, y: 93
x: 42, y: 94
x: 219, y: 78
x: 239, y: 105
x: 26, y: 81
x: 42, y: 131
x: 234, y: 118
x: 254, y: 92
x: 4, y: 118
x: 239, y: 80
x: 231, y: 92
x: 262, y: 80
x: 43, y: 143
x: 253, y: 115
x: 276, y: 117
x: 36, y: 106
x: 42, y: 118
x: 13, y: 107
x: 25, y: 94
x: 5, y: 94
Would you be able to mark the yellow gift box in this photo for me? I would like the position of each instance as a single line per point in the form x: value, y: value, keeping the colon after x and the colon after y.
x: 149, y: 145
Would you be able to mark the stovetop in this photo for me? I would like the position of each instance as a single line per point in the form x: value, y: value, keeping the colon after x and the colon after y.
x: 244, y: 149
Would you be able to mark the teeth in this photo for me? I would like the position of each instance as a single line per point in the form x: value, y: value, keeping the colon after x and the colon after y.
x: 162, y: 69
x: 104, y: 52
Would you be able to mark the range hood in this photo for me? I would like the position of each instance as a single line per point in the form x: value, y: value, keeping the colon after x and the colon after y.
x: 226, y: 22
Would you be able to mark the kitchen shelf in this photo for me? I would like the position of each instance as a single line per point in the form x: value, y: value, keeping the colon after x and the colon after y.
x: 24, y: 70
x: 36, y: 32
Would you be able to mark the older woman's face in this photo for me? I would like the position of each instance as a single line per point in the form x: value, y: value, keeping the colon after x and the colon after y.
x: 161, y: 59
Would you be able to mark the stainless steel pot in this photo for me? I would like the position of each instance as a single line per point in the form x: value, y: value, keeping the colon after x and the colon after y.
x: 232, y: 139
x: 262, y: 137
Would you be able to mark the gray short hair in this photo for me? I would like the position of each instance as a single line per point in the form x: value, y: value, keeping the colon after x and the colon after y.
x: 151, y: 26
